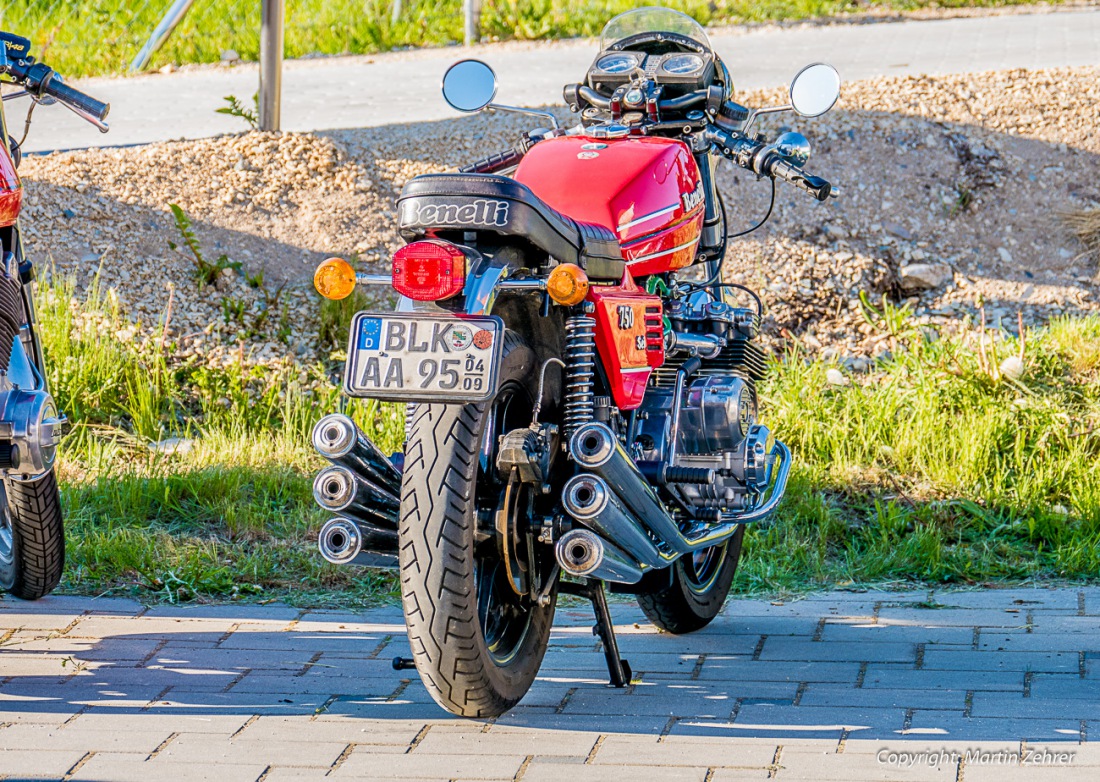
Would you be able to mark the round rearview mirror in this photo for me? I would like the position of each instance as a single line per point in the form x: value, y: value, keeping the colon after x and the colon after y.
x: 469, y: 85
x: 815, y: 89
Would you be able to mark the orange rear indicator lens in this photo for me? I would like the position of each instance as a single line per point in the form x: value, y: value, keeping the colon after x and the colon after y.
x: 429, y: 270
x: 334, y: 279
x: 567, y: 284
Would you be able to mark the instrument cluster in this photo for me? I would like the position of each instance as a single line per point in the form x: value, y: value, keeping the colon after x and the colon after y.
x: 689, y: 70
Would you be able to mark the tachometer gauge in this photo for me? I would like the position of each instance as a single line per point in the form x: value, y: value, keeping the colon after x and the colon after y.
x: 616, y: 63
x: 683, y: 64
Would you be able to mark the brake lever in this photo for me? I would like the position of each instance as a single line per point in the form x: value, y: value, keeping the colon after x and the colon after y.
x: 99, y: 124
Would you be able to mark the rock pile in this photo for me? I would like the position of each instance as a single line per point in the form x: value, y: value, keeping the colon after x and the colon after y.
x: 951, y: 187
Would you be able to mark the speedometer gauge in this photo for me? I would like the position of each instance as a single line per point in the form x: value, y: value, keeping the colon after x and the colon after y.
x: 683, y: 64
x: 616, y: 63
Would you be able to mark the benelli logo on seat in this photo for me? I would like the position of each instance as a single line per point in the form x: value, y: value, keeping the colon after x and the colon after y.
x: 487, y: 212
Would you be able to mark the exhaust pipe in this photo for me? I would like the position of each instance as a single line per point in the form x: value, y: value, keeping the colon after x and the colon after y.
x: 585, y: 554
x: 338, y: 439
x: 595, y: 447
x: 589, y: 500
x: 343, y: 541
x: 337, y: 488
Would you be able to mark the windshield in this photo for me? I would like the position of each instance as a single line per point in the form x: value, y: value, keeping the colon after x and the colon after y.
x: 648, y: 20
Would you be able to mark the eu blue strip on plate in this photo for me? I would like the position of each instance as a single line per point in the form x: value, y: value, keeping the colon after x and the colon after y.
x: 370, y: 333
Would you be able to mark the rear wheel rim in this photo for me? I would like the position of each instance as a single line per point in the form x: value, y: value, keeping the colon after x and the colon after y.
x: 701, y: 568
x: 504, y: 616
x: 7, y: 532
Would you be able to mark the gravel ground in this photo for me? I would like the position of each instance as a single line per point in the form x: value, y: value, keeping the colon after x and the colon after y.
x: 951, y: 192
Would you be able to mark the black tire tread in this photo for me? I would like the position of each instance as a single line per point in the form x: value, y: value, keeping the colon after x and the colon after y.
x: 35, y: 508
x: 436, y: 568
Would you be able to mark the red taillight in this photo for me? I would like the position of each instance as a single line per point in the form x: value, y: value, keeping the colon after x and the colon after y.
x: 429, y: 270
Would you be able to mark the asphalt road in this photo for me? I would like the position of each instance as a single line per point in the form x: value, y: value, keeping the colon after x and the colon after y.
x: 346, y: 92
x: 986, y: 686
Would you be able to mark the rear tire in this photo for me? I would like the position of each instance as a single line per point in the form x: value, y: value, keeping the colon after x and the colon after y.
x: 32, y: 537
x: 477, y: 645
x: 687, y: 595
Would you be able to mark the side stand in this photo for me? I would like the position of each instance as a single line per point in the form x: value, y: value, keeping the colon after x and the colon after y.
x: 617, y: 668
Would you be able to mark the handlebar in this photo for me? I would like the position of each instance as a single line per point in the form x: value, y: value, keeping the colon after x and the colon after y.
x: 493, y: 163
x: 593, y: 98
x: 40, y: 80
x: 779, y: 168
x: 758, y: 157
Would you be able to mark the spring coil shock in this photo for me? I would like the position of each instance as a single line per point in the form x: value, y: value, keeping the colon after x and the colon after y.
x: 580, y: 363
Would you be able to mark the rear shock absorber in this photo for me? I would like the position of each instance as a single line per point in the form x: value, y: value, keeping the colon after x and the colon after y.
x: 580, y: 363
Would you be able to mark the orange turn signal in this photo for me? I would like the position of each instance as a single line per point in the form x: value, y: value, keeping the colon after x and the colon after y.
x: 567, y: 284
x: 334, y: 279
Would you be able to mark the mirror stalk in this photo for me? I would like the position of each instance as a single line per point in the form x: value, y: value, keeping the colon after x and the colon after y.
x: 754, y: 113
x: 530, y: 112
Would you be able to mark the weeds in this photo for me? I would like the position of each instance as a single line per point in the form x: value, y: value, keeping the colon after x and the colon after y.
x: 238, y: 109
x: 937, y: 467
x: 1085, y: 225
x: 206, y: 272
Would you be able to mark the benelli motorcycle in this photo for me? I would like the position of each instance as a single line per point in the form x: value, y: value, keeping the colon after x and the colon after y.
x: 32, y: 536
x: 581, y: 384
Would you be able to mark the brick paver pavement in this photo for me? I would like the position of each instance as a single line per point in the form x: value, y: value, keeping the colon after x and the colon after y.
x: 838, y: 686
x: 403, y: 87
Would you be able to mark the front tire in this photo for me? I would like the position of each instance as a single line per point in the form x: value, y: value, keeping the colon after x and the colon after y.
x: 688, y: 594
x: 32, y: 537
x: 477, y: 644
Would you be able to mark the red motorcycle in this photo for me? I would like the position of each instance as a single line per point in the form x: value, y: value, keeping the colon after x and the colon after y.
x: 32, y: 536
x: 582, y: 410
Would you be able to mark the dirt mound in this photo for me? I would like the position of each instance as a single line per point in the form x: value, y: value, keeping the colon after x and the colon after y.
x: 951, y: 187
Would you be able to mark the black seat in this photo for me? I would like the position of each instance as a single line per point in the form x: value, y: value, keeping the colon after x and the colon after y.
x: 486, y: 202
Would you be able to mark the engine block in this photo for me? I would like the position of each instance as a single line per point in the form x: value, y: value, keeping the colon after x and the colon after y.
x: 715, y: 418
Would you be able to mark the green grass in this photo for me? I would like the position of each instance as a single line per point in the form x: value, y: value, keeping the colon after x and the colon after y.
x: 936, y: 468
x: 88, y: 37
x: 231, y: 516
x: 932, y: 469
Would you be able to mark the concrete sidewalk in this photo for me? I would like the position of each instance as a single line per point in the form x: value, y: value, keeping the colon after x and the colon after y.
x: 838, y: 686
x: 348, y: 92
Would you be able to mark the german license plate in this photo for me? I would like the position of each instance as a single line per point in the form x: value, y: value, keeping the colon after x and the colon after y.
x: 401, y: 357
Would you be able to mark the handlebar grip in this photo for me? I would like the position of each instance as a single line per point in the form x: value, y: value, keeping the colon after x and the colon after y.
x: 76, y: 99
x: 499, y: 162
x: 814, y: 185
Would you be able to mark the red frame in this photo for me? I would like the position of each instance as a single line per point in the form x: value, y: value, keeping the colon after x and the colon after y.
x: 11, y: 190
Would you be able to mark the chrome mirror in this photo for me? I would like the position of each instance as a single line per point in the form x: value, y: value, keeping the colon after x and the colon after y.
x: 815, y: 89
x: 469, y: 85
x: 792, y: 147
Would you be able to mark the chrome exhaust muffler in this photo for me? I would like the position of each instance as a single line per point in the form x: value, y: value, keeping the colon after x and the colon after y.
x: 344, y: 541
x: 338, y: 439
x: 584, y: 554
x: 337, y: 488
x: 590, y: 501
x: 595, y: 448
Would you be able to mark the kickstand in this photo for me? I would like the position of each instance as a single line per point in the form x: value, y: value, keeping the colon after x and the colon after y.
x: 617, y: 668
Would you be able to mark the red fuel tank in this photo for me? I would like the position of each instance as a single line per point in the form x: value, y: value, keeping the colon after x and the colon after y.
x: 11, y: 189
x: 646, y: 190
